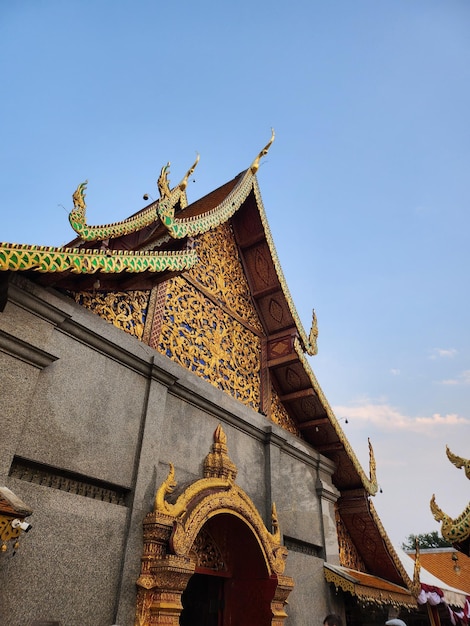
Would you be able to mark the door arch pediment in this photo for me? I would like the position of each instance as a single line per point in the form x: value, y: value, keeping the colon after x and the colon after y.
x: 171, y: 531
x: 232, y: 500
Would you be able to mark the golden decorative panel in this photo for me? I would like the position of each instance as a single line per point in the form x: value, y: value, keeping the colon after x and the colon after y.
x: 207, y: 553
x: 281, y: 417
x: 348, y: 555
x: 220, y: 272
x: 126, y: 310
x: 206, y: 340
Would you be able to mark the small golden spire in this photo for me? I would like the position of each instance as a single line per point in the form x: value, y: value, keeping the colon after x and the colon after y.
x: 313, y: 336
x: 217, y: 463
x: 183, y: 184
x: 255, y: 165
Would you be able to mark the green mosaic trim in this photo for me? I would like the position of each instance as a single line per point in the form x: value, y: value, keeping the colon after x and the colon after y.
x: 77, y: 219
x: 17, y: 257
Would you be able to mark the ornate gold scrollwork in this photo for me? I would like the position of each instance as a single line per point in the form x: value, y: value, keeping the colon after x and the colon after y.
x: 210, y: 342
x: 281, y: 417
x: 126, y: 310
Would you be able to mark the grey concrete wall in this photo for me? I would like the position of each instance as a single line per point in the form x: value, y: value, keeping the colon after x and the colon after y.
x: 81, y: 396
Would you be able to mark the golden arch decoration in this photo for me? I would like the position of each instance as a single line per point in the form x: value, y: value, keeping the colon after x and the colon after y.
x: 173, y: 532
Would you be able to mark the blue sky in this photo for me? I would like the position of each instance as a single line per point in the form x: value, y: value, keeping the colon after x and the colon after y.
x: 366, y: 186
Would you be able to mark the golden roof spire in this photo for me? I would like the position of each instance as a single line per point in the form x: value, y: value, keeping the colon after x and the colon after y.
x: 255, y: 165
x: 217, y: 463
x: 183, y: 184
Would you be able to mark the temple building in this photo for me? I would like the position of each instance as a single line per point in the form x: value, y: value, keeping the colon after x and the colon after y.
x: 174, y: 455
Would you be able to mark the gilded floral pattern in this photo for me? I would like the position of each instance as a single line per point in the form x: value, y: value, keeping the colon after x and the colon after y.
x: 204, y: 339
x: 220, y: 272
x: 126, y: 310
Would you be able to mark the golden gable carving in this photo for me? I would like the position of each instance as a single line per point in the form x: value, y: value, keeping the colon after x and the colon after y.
x: 210, y: 325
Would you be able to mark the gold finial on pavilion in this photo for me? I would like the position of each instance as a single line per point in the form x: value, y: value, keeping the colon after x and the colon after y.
x: 255, y: 165
x: 416, y: 587
x: 217, y: 463
x: 313, y: 336
x: 459, y: 462
x: 183, y: 184
x: 163, y: 183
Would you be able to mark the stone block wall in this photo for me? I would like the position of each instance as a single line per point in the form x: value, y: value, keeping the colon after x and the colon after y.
x: 90, y: 420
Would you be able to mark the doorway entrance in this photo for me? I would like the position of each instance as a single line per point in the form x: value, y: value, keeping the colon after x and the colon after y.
x: 203, y: 601
x: 208, y: 558
x: 231, y: 583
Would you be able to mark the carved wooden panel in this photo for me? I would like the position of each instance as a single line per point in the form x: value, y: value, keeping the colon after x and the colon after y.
x: 204, y: 339
x: 126, y: 310
x: 348, y: 554
x: 220, y: 272
x: 280, y: 416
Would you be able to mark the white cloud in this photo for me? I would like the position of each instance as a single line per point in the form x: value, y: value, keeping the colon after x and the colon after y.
x: 395, y: 372
x: 443, y: 353
x: 386, y: 417
x: 462, y: 379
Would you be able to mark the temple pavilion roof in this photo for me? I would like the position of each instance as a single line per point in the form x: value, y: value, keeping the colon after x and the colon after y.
x: 156, y: 243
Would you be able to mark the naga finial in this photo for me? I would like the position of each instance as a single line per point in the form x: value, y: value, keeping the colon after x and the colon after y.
x: 183, y: 184
x: 437, y: 513
x: 313, y: 336
x: 163, y: 183
x: 459, y: 462
x: 167, y: 487
x: 255, y: 165
x: 79, y: 198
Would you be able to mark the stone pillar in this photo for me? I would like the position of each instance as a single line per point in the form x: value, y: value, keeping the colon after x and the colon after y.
x: 163, y: 576
x: 171, y: 575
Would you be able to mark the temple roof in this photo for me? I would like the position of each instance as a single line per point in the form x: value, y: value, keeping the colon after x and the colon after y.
x: 451, y: 566
x: 156, y: 243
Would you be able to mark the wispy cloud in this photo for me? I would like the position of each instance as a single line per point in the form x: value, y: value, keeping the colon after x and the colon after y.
x: 462, y: 379
x: 395, y: 372
x: 386, y: 417
x: 443, y: 353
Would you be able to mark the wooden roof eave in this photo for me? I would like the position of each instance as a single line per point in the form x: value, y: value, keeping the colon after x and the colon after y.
x: 365, y: 528
x: 293, y: 330
x: 304, y: 339
x: 339, y: 447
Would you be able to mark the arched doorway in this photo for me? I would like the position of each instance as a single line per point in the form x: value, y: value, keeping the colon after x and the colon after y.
x: 231, y: 583
x: 208, y: 558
